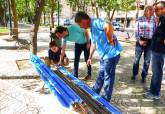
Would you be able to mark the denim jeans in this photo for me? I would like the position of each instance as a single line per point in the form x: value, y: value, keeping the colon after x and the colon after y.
x: 157, y: 70
x: 106, y: 77
x: 147, y: 57
x: 78, y: 50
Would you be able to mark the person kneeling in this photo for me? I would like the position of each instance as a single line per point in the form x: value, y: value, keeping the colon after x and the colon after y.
x: 54, y: 53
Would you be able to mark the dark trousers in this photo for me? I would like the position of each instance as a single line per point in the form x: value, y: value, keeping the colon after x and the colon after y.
x: 147, y: 56
x: 157, y: 72
x: 78, y: 50
x: 106, y: 76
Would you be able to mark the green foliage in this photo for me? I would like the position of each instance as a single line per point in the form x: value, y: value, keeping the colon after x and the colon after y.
x: 25, y: 8
x: 127, y: 5
x: 108, y: 5
x: 3, y: 29
x: 78, y: 4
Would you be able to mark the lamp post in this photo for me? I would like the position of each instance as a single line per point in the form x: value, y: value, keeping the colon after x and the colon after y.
x: 10, y: 17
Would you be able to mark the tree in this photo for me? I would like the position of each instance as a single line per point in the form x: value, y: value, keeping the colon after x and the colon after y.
x: 39, y: 8
x: 127, y: 5
x: 109, y: 5
x: 15, y: 20
x: 78, y: 4
x: 50, y: 8
x: 2, y: 12
x: 25, y: 10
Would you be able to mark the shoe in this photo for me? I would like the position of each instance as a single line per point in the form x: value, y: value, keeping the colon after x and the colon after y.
x: 143, y: 80
x: 88, y: 77
x: 133, y: 78
x: 149, y: 95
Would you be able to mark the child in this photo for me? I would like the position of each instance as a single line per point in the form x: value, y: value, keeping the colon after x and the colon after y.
x: 54, y: 54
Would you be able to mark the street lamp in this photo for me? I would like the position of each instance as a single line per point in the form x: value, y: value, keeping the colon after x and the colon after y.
x: 10, y: 17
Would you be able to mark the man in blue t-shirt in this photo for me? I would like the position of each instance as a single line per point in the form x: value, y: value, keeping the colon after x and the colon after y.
x: 108, y: 47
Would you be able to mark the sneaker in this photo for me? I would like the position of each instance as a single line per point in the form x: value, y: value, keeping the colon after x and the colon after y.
x: 88, y: 77
x: 149, y: 95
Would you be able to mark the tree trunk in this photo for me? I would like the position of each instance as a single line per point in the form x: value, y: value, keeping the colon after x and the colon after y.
x: 146, y: 3
x: 137, y: 9
x: 15, y: 20
x: 36, y: 22
x: 93, y: 9
x: 1, y: 14
x: 125, y: 20
x: 113, y: 12
x: 44, y: 18
x: 52, y: 18
x: 51, y: 13
x: 97, y: 12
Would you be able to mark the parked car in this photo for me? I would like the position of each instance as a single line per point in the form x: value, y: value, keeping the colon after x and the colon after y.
x: 67, y: 22
x: 118, y: 26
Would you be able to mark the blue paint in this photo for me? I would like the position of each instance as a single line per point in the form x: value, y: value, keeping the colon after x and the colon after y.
x: 95, y: 96
x: 59, y: 88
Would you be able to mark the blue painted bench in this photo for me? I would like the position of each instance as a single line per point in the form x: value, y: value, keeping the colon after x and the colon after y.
x: 62, y: 91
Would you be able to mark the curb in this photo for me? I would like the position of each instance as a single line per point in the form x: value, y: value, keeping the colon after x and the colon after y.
x: 4, y: 33
x: 20, y: 77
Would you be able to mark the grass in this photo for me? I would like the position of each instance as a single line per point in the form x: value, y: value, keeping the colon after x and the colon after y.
x: 3, y: 29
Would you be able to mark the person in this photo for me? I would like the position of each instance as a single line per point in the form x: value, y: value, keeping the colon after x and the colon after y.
x: 108, y: 47
x: 145, y: 27
x: 54, y: 53
x: 82, y: 43
x: 158, y: 53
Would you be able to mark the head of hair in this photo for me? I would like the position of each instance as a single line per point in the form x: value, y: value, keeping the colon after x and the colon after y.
x: 81, y: 16
x: 148, y: 8
x: 162, y: 3
x: 60, y: 29
x: 52, y: 43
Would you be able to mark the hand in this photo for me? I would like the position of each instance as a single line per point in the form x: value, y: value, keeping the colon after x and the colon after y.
x: 88, y: 45
x: 142, y: 43
x: 67, y: 61
x: 89, y: 62
x: 59, y: 63
x: 113, y: 43
x: 164, y: 42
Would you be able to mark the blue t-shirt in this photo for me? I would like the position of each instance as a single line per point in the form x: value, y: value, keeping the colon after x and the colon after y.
x: 99, y: 38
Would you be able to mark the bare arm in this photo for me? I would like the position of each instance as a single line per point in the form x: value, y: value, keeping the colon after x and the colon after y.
x: 92, y: 50
x: 52, y: 62
x: 109, y: 32
x: 62, y: 54
x: 87, y: 34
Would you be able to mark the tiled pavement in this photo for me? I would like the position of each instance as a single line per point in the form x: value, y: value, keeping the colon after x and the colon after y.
x: 127, y: 95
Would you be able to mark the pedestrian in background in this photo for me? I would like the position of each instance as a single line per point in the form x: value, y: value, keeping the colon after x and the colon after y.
x: 145, y: 27
x: 158, y: 53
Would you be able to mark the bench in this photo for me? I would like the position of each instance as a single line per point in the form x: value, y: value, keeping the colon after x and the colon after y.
x: 70, y: 90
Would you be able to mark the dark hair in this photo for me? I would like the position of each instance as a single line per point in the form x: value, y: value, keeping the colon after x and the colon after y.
x: 60, y: 29
x: 52, y: 43
x: 160, y: 2
x: 80, y: 16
